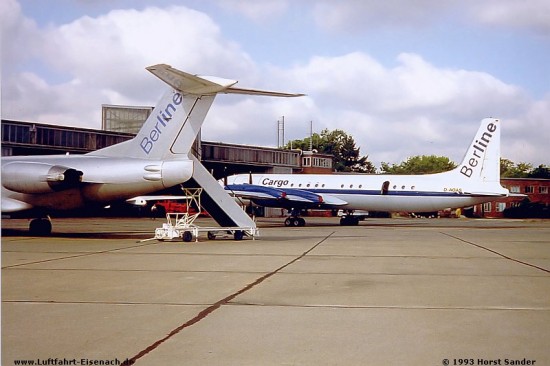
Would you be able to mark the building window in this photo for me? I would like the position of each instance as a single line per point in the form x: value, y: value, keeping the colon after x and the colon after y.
x: 529, y: 189
x: 487, y: 207
x: 501, y: 206
x: 515, y: 189
x: 543, y: 190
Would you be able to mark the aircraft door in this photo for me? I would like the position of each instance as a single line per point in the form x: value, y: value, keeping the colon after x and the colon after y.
x: 385, y: 188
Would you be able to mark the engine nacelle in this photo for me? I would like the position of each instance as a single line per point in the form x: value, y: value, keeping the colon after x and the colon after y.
x: 33, y: 177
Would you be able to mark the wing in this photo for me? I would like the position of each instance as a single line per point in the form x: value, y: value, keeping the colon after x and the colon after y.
x: 287, y: 197
x: 253, y: 191
x: 142, y: 200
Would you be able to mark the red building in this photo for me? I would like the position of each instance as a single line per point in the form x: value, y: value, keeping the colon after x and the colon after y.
x: 537, y: 191
x: 316, y: 163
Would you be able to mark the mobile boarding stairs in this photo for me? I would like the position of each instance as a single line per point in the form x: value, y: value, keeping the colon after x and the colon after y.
x: 182, y: 225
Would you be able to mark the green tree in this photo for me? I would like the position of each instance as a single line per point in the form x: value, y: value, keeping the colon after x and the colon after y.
x: 542, y: 171
x: 509, y: 169
x: 425, y: 164
x: 339, y: 144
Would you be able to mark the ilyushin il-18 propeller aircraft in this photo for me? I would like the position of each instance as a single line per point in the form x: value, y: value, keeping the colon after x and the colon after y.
x: 476, y: 180
x: 157, y: 158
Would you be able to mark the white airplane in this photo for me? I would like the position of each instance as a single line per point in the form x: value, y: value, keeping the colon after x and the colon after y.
x: 475, y: 180
x: 157, y: 158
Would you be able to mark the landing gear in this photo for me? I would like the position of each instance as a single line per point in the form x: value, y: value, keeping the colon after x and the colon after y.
x: 40, y: 227
x: 349, y: 221
x: 295, y: 221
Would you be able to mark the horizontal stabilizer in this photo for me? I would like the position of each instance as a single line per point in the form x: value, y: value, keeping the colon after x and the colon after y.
x: 188, y: 83
x: 205, y: 85
x: 232, y: 90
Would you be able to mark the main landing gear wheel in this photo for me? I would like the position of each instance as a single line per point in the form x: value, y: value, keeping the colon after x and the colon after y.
x: 349, y: 221
x: 40, y: 227
x: 295, y: 221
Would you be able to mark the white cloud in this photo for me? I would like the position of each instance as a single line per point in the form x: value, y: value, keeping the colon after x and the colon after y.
x: 412, y: 107
x: 357, y: 15
x: 20, y: 36
x: 106, y: 57
x: 257, y: 11
x: 532, y: 15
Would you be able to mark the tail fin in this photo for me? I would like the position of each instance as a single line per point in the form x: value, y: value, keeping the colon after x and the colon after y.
x: 175, y: 122
x: 482, y: 160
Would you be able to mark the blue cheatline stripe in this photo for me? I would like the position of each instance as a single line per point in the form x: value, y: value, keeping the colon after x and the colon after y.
x: 371, y: 192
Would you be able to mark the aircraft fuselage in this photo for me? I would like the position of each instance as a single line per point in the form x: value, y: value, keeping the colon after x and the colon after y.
x: 102, y: 180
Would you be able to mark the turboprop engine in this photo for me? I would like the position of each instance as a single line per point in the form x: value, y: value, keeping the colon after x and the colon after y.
x: 33, y: 177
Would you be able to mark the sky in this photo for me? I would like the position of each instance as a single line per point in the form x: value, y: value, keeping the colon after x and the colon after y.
x: 402, y: 78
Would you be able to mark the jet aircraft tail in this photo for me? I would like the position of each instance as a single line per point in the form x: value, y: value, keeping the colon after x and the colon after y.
x: 174, y: 124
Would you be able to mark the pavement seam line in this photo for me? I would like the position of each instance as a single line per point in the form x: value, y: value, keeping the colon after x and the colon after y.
x: 498, y: 253
x: 73, y: 256
x: 209, y: 310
